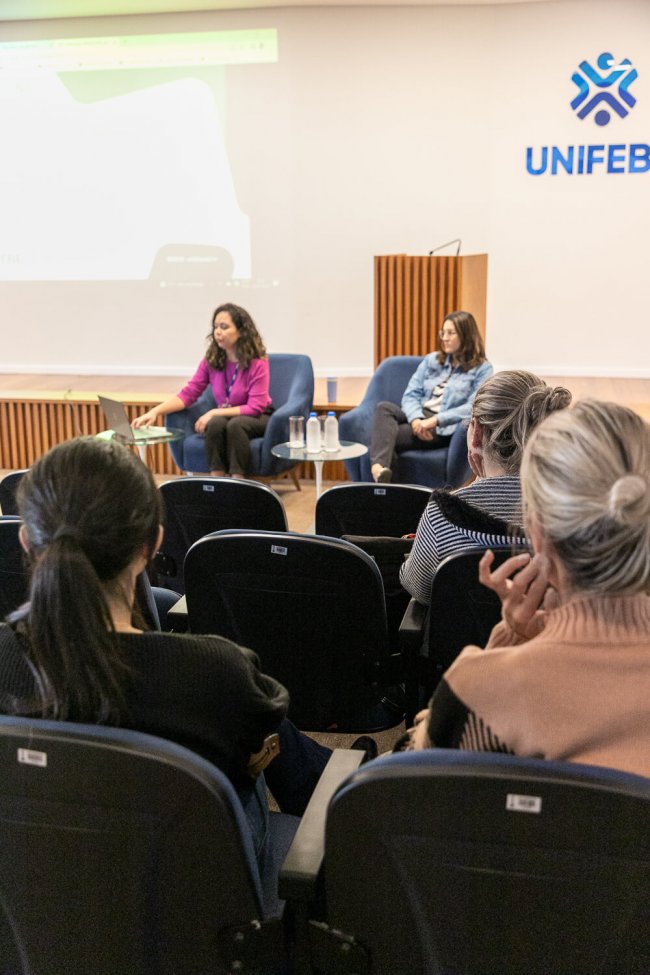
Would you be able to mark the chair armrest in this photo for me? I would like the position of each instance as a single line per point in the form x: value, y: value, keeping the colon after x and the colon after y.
x: 177, y: 616
x: 301, y: 868
x: 411, y: 636
x: 411, y: 629
x: 185, y: 419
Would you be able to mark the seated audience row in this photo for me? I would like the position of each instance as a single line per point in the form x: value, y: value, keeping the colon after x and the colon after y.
x: 566, y: 674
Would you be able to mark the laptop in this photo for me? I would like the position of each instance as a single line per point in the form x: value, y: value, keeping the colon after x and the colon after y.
x: 118, y: 422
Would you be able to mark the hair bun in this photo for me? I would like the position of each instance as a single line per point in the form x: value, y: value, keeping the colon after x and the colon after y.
x: 628, y: 498
x: 559, y: 397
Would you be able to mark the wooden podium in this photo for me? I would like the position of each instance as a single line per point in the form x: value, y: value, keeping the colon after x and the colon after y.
x: 413, y: 295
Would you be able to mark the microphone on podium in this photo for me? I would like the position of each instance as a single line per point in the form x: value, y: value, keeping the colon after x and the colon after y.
x: 456, y: 240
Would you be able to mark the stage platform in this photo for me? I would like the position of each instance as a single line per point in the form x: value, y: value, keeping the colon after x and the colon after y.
x: 37, y: 411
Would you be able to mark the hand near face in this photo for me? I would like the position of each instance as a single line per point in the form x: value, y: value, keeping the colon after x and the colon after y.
x: 521, y: 584
x: 475, y: 460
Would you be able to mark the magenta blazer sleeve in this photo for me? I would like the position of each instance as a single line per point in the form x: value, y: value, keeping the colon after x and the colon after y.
x: 255, y: 380
x: 199, y: 381
x: 250, y: 390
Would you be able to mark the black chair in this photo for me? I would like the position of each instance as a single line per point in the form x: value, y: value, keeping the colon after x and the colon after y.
x: 14, y: 574
x: 374, y: 517
x: 8, y: 487
x: 197, y: 506
x: 462, y: 612
x: 120, y: 852
x: 312, y: 608
x: 453, y: 863
x: 389, y: 554
x: 371, y: 509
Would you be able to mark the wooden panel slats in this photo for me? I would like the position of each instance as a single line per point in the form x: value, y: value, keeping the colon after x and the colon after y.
x: 413, y: 295
x: 29, y: 427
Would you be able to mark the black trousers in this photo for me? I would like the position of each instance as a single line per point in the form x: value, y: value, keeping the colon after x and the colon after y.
x: 392, y: 433
x: 227, y: 441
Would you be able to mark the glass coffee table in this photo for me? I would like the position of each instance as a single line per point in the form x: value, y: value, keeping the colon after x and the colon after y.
x: 347, y: 450
x: 165, y: 436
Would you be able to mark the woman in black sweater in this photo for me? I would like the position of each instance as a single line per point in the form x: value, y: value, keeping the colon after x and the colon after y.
x: 77, y: 651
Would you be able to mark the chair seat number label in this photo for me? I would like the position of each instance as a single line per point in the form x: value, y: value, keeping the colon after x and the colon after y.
x: 379, y: 491
x: 27, y: 756
x: 278, y: 550
x: 528, y: 804
x: 208, y: 487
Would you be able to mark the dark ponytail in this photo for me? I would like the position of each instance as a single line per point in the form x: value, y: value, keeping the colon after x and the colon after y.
x: 89, y: 508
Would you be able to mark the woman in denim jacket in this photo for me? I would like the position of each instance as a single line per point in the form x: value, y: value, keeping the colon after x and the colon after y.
x: 438, y: 397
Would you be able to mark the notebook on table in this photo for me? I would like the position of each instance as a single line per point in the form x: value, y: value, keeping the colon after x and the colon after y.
x: 118, y: 422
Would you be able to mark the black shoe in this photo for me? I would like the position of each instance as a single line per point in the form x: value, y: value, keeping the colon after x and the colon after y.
x: 366, y: 744
x: 385, y: 476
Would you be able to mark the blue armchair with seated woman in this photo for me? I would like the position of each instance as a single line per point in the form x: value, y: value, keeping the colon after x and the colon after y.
x: 421, y: 440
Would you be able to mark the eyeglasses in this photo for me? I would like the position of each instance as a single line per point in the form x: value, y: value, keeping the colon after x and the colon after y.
x: 447, y: 335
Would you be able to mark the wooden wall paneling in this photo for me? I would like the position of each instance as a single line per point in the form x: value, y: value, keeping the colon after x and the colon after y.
x: 31, y: 424
x: 413, y: 294
x: 472, y: 287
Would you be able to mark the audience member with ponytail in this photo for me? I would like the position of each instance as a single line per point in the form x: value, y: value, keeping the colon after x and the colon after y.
x: 507, y: 408
x: 91, y: 522
x: 566, y: 674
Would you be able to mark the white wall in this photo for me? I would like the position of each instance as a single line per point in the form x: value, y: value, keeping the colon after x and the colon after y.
x: 387, y: 130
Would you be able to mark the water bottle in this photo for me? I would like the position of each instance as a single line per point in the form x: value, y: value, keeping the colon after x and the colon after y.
x: 313, y: 434
x: 331, y: 432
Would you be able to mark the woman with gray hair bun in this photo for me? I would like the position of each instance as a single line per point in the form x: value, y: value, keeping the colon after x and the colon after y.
x: 506, y: 410
x: 566, y: 674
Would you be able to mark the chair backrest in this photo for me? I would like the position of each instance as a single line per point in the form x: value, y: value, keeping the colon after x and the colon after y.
x: 197, y: 506
x: 391, y: 378
x: 312, y: 608
x: 462, y: 611
x: 290, y: 375
x: 453, y: 862
x: 389, y: 555
x: 8, y: 487
x: 14, y: 573
x: 119, y: 852
x: 370, y: 509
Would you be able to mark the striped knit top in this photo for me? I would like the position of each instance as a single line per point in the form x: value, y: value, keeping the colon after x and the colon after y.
x: 484, y: 513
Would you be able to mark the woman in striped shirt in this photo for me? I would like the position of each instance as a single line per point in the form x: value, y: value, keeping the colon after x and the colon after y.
x: 506, y: 410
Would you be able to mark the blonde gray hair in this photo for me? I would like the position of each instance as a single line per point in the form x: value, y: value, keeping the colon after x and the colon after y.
x: 586, y: 479
x: 508, y: 407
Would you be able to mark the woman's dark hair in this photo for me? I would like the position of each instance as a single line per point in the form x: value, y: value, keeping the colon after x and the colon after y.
x: 89, y: 508
x: 472, y: 350
x: 249, y: 345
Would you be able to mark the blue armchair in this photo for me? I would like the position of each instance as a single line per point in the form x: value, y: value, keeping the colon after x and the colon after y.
x: 292, y: 392
x: 433, y: 468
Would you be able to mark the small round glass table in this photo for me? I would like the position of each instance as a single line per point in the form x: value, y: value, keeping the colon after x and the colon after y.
x: 347, y: 450
x: 143, y: 441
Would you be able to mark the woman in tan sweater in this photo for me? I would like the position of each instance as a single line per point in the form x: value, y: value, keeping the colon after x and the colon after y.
x: 566, y: 674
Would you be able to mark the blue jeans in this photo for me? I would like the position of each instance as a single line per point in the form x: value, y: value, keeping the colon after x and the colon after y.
x: 291, y: 777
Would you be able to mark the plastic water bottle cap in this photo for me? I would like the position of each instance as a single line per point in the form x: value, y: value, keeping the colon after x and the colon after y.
x: 312, y: 414
x: 331, y: 413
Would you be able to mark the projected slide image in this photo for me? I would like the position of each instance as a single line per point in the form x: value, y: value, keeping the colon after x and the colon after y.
x: 131, y: 186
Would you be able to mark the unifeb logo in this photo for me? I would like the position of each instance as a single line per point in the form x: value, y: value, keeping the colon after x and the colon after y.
x: 586, y: 76
x: 603, y: 91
